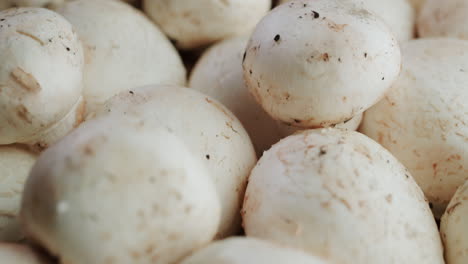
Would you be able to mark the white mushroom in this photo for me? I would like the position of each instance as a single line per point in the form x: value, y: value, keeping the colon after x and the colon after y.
x: 249, y: 251
x: 398, y: 14
x: 319, y: 63
x: 339, y: 194
x: 123, y: 49
x: 423, y: 119
x: 454, y: 228
x: 196, y: 23
x: 21, y: 254
x: 447, y: 18
x: 209, y: 129
x: 15, y: 164
x: 41, y: 73
x: 135, y: 195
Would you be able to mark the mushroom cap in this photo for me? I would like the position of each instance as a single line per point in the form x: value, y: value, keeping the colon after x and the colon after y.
x: 339, y: 194
x: 423, y: 118
x: 454, y: 229
x: 446, y: 18
x: 398, y: 14
x: 21, y: 254
x: 196, y: 23
x: 218, y: 73
x: 123, y: 49
x: 249, y: 251
x: 15, y: 165
x: 320, y: 63
x: 131, y: 196
x: 41, y: 72
x: 210, y: 131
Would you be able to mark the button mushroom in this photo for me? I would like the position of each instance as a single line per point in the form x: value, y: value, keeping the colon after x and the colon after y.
x: 15, y: 164
x: 41, y: 73
x: 339, y: 194
x: 196, y: 23
x: 123, y: 49
x: 454, y: 228
x: 249, y: 251
x: 331, y: 61
x: 423, y: 119
x: 209, y: 129
x: 136, y: 195
x: 446, y: 18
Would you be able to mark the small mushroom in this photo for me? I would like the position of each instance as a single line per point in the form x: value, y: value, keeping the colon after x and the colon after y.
x: 197, y: 23
x: 338, y: 194
x: 249, y: 251
x: 318, y: 63
x: 208, y: 128
x: 41, y: 74
x: 446, y: 18
x: 135, y: 195
x: 15, y: 164
x: 123, y: 49
x: 423, y: 119
x: 454, y: 228
x: 21, y: 254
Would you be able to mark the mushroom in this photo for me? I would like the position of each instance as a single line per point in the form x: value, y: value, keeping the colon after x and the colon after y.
x: 331, y: 61
x: 210, y: 131
x: 15, y: 164
x: 454, y: 228
x: 339, y: 194
x: 423, y: 118
x: 249, y: 251
x: 21, y: 254
x: 41, y: 74
x: 136, y: 195
x: 398, y: 14
x: 123, y: 49
x: 446, y: 18
x: 196, y: 23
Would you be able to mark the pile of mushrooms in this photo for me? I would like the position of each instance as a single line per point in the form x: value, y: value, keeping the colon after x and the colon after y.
x: 228, y: 131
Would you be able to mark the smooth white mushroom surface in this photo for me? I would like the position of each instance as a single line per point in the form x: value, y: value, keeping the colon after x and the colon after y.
x: 15, y: 164
x: 320, y: 63
x: 21, y: 254
x: 212, y: 133
x: 136, y: 195
x: 454, y: 228
x: 423, y: 119
x: 123, y: 49
x: 339, y: 194
x: 218, y: 73
x: 447, y: 18
x: 249, y: 251
x: 196, y: 23
x: 41, y: 72
x: 398, y: 14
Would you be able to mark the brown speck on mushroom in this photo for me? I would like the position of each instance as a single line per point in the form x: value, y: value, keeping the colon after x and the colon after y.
x: 365, y: 55
x: 315, y: 14
x: 277, y: 38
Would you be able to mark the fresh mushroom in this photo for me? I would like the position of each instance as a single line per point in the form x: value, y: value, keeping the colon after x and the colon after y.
x: 447, y: 18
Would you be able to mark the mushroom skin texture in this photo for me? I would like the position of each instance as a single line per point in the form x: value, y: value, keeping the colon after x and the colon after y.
x: 339, y: 194
x: 398, y: 14
x: 41, y: 73
x: 21, y: 254
x: 218, y: 73
x: 193, y: 24
x: 422, y: 119
x: 249, y: 251
x: 15, y: 164
x: 123, y: 49
x: 446, y: 18
x: 330, y: 53
x: 210, y: 131
x: 136, y: 195
x: 454, y: 228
